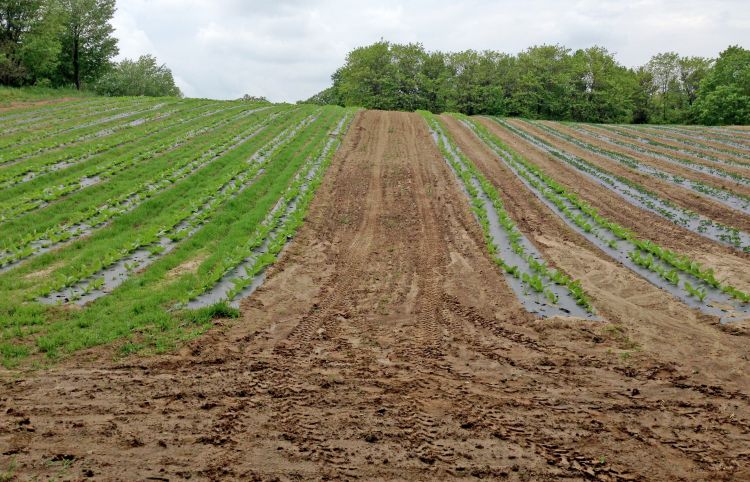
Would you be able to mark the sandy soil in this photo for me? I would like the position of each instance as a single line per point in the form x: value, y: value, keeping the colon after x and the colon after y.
x: 385, y: 345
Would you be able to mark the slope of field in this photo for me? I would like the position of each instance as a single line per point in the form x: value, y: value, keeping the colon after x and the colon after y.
x: 108, y: 212
x: 387, y: 341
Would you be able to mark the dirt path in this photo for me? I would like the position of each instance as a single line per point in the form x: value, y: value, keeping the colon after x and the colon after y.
x: 386, y: 345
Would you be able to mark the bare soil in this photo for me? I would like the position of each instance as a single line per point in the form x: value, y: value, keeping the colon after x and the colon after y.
x: 15, y: 105
x: 385, y: 345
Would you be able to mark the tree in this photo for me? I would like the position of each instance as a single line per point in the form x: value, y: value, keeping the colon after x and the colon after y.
x: 140, y: 77
x: 87, y: 42
x: 435, y: 81
x: 665, y: 73
x: 29, y: 47
x: 676, y: 81
x: 543, y: 83
x: 641, y: 95
x: 478, y: 80
x: 692, y: 72
x: 407, y: 63
x: 724, y: 95
x: 324, y: 97
x: 602, y: 89
x: 255, y: 99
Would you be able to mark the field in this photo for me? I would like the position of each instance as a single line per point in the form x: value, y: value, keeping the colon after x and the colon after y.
x: 227, y: 290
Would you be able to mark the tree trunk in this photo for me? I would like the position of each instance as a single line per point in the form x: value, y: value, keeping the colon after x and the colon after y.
x: 76, y: 63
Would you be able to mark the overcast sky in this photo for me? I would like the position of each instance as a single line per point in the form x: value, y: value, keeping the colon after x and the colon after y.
x: 286, y: 50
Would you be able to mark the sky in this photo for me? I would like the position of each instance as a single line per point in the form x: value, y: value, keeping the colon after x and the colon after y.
x: 286, y: 50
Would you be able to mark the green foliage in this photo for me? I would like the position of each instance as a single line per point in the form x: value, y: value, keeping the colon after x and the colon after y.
x: 603, y: 91
x: 534, y: 271
x: 70, y: 43
x: 189, y: 172
x: 543, y: 82
x: 674, y: 85
x: 724, y: 96
x: 35, y: 93
x: 324, y: 97
x: 55, y: 42
x: 138, y: 77
x: 29, y: 46
x: 218, y: 310
x: 555, y: 192
x: 87, y: 42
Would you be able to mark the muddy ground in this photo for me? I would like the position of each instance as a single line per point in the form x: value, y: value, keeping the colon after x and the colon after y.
x: 385, y: 345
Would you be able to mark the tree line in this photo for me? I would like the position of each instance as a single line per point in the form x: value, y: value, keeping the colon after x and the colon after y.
x: 546, y: 82
x: 70, y: 43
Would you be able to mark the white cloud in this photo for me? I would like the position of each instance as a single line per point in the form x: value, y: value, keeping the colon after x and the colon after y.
x: 133, y: 41
x: 287, y: 49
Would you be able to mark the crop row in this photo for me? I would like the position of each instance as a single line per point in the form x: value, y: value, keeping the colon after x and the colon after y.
x: 89, y: 281
x: 642, y: 197
x: 708, y: 168
x: 728, y: 139
x: 151, y: 143
x: 698, y: 141
x: 724, y: 196
x: 131, y: 118
x: 246, y: 238
x: 169, y: 170
x: 27, y: 118
x: 28, y: 127
x: 55, y: 159
x: 525, y: 269
x: 666, y: 268
x: 36, y: 131
x: 683, y: 148
x: 195, y: 133
x: 278, y: 226
x: 145, y: 302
